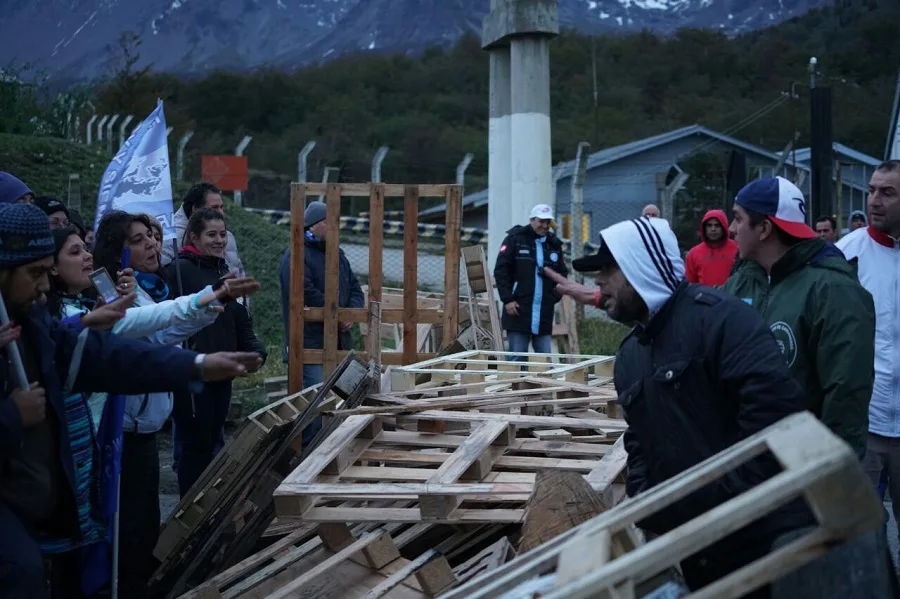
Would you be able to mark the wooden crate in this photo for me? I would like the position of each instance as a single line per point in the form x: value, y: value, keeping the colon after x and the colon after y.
x: 487, y: 477
x: 331, y: 315
x: 479, y: 365
x: 602, y: 558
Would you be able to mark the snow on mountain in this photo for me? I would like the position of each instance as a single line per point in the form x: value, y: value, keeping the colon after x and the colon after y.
x: 73, y: 38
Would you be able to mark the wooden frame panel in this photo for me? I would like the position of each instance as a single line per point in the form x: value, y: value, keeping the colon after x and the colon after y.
x: 410, y: 315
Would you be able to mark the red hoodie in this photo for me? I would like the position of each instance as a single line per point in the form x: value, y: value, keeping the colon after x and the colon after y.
x: 710, y: 264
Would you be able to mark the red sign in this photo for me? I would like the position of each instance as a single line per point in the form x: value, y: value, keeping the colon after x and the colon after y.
x: 228, y: 173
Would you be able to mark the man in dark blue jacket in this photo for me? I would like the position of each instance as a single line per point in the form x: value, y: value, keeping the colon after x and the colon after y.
x: 528, y: 296
x: 37, y: 467
x: 350, y: 295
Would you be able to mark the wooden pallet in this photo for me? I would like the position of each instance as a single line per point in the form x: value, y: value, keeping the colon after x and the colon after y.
x: 482, y: 290
x: 478, y: 365
x: 223, y: 473
x: 488, y: 476
x: 331, y: 314
x: 602, y: 558
x: 226, y: 529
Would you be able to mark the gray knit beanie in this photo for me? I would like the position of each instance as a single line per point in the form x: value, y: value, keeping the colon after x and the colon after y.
x: 25, y: 235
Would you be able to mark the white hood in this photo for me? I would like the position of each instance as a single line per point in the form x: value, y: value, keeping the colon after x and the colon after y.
x: 646, y: 251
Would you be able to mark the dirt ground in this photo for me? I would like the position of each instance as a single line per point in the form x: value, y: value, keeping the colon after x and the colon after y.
x: 168, y: 481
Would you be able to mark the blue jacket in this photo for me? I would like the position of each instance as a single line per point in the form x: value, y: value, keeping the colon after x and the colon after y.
x: 350, y: 294
x: 109, y: 363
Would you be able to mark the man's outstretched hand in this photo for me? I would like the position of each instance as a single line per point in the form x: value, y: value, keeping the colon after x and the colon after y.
x: 221, y: 366
x: 105, y: 316
x: 580, y: 293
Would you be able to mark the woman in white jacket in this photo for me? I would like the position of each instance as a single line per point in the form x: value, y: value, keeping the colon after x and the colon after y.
x: 162, y: 321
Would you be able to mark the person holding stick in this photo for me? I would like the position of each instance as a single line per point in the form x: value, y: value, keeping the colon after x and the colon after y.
x: 53, y: 360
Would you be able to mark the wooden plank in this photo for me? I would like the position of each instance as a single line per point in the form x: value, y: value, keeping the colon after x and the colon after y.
x: 297, y: 301
x: 376, y: 244
x: 410, y: 270
x: 607, y: 425
x: 391, y: 190
x: 388, y: 358
x: 388, y: 315
x: 451, y: 264
x: 388, y: 515
x: 332, y: 278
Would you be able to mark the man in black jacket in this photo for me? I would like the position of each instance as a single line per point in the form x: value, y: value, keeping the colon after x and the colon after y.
x: 700, y: 372
x: 528, y: 296
x: 350, y: 295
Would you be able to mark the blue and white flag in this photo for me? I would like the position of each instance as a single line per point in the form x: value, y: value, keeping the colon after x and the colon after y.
x: 138, y: 180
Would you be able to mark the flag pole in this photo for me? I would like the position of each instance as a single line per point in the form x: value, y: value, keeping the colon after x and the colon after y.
x: 115, y: 542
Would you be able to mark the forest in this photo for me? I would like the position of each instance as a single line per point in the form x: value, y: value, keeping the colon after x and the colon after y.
x: 432, y: 109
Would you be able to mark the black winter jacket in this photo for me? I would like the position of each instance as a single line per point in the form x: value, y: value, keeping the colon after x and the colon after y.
x: 519, y: 277
x: 350, y: 294
x: 233, y: 329
x: 704, y: 374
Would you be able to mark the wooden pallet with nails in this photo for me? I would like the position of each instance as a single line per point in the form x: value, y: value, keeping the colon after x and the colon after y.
x: 488, y: 475
x: 478, y: 365
x: 603, y: 558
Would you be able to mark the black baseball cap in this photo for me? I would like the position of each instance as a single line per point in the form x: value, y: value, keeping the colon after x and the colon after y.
x: 50, y: 205
x: 594, y: 262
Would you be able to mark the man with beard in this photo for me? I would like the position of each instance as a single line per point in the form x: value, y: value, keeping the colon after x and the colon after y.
x: 710, y: 261
x: 699, y: 372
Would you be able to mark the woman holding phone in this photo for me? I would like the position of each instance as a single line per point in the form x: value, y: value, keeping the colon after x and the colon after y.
x: 146, y: 414
x: 200, y: 421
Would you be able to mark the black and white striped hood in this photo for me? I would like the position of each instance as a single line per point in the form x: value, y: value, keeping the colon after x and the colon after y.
x: 646, y: 251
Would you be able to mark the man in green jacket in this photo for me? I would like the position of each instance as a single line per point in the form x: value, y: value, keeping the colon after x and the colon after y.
x: 809, y: 295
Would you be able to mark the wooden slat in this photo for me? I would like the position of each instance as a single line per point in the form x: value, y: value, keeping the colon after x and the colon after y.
x: 388, y: 358
x: 410, y: 270
x: 297, y: 301
x: 391, y: 190
x: 388, y: 315
x: 451, y: 266
x: 376, y: 244
x: 332, y: 277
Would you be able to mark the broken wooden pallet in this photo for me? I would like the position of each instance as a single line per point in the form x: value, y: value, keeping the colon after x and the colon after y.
x: 229, y: 530
x: 602, y: 558
x: 219, y: 478
x: 488, y: 477
x: 309, y: 563
x: 480, y: 365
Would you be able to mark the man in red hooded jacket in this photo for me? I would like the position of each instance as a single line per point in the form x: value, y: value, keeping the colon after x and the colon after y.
x: 710, y: 261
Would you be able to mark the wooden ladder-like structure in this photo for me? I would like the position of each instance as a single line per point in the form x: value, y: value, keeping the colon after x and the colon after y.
x: 489, y: 334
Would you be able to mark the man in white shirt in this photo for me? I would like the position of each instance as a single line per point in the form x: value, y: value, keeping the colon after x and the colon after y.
x: 877, y: 249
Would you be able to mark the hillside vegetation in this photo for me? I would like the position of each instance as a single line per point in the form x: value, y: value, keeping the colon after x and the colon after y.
x: 433, y: 109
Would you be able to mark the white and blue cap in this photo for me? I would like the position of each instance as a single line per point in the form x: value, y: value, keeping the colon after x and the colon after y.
x: 780, y: 201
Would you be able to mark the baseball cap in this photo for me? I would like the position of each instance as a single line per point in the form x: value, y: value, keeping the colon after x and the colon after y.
x: 780, y: 201
x: 50, y: 205
x: 594, y: 262
x: 541, y: 211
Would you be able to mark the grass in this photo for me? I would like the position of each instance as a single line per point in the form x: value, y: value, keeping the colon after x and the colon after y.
x: 600, y: 337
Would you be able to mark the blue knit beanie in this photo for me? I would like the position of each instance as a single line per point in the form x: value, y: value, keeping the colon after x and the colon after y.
x: 25, y: 235
x: 11, y: 188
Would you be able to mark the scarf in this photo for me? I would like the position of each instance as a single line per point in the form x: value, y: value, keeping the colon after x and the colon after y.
x: 153, y: 285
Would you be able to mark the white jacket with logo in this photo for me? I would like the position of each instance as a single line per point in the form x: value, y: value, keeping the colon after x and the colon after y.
x: 879, y: 272
x: 169, y: 322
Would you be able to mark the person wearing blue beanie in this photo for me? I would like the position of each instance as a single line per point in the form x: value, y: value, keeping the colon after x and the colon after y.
x: 13, y: 190
x: 47, y: 478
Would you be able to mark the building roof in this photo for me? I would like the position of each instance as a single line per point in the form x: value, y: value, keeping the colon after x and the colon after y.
x: 648, y: 143
x: 803, y: 155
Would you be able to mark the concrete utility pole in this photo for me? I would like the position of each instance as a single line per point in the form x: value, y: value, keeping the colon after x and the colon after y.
x: 461, y: 169
x: 179, y: 155
x: 89, y: 130
x: 301, y: 160
x: 821, y: 160
x: 100, y: 126
x: 517, y: 34
x: 109, y: 132
x: 122, y: 128
x: 73, y: 193
x: 239, y: 151
x: 376, y: 163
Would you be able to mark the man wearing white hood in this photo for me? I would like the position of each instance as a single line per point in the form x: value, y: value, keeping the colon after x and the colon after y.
x: 699, y: 372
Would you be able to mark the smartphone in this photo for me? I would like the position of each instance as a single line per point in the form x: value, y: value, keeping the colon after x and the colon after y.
x: 126, y: 258
x: 104, y: 285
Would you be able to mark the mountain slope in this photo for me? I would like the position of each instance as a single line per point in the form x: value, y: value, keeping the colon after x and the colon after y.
x: 74, y: 37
